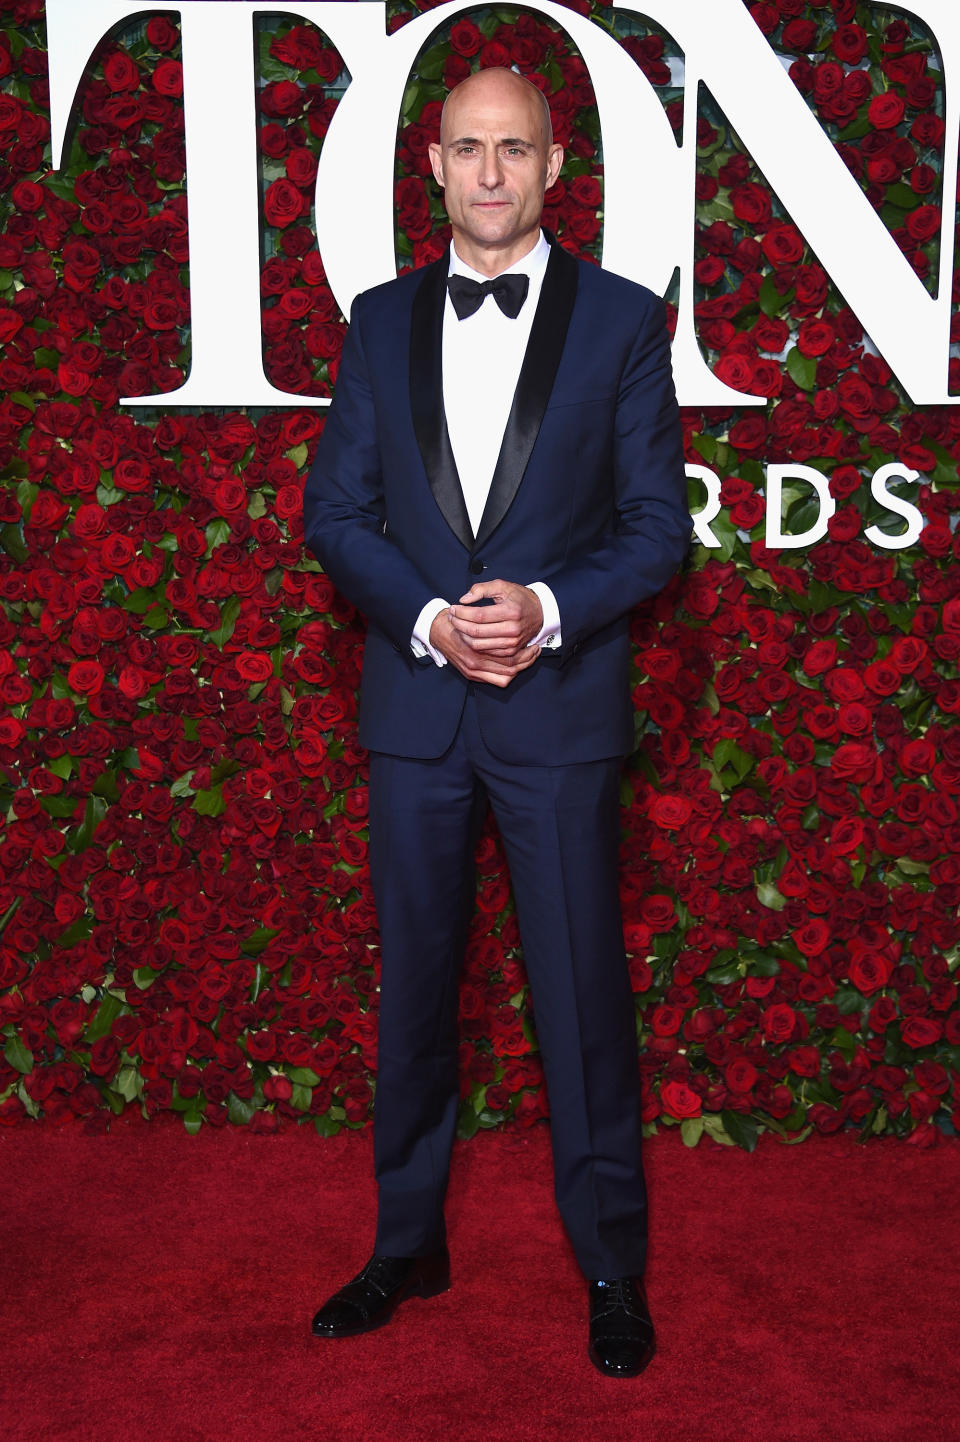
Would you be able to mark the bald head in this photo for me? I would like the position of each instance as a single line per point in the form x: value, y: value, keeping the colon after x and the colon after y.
x: 498, y: 86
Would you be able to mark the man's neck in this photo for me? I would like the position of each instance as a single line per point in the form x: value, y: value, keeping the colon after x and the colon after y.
x: 490, y: 261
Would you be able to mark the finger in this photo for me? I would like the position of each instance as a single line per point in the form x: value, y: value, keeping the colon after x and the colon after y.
x: 506, y: 627
x: 485, y: 615
x: 480, y: 590
x: 517, y: 661
x: 498, y: 646
x: 470, y: 663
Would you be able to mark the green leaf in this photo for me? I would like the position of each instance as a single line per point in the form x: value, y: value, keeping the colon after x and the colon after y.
x: 272, y: 69
x: 713, y: 1127
x: 728, y: 755
x: 740, y: 1129
x: 96, y: 810
x: 128, y: 1083
x: 18, y: 1055
x: 303, y: 1076
x: 192, y: 1122
x: 106, y: 1014
x: 256, y: 942
x: 770, y: 897
x: 210, y: 803
x: 228, y: 622
x: 726, y: 533
x: 217, y: 534
x: 326, y: 1126
x: 903, y: 196
x: 298, y: 454
x: 144, y: 977
x: 257, y: 506
x: 59, y: 805
x: 60, y: 185
x: 238, y: 1111
x: 114, y: 1102
x: 140, y: 601
x: 468, y: 1122
x: 771, y: 300
x: 802, y: 369
x: 764, y: 965
x: 9, y: 914
x: 11, y: 539
x: 21, y: 398
x: 691, y: 1130
x: 724, y: 975
x: 182, y: 787
x: 301, y: 1097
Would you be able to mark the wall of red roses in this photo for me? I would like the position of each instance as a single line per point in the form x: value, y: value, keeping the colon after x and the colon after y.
x: 186, y: 923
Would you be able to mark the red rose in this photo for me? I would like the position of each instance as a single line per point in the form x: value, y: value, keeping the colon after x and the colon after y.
x: 494, y: 56
x: 167, y: 78
x: 869, y: 971
x: 799, y: 35
x: 751, y: 204
x: 666, y: 1020
x: 658, y: 912
x: 283, y: 203
x: 779, y: 1022
x: 920, y: 1031
x: 585, y: 190
x: 849, y: 44
x: 923, y: 223
x: 161, y: 34
x: 671, y: 812
x: 814, y: 937
x: 886, y: 111
x: 86, y: 677
x: 465, y: 38
x: 882, y: 677
x: 253, y: 667
x: 120, y: 71
x: 740, y: 1075
x: 854, y: 761
x: 679, y: 1100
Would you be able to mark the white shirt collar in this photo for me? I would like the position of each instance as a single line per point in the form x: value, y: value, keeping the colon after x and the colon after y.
x: 533, y: 264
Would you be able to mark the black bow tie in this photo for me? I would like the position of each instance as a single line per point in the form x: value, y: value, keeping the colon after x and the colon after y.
x: 509, y: 291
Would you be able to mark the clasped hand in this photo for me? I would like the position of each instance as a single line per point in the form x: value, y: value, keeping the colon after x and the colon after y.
x: 492, y: 642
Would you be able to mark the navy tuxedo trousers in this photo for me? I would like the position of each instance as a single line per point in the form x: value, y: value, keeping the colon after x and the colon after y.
x: 560, y: 827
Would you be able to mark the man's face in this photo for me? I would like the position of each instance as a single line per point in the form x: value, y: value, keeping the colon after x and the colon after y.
x: 495, y: 162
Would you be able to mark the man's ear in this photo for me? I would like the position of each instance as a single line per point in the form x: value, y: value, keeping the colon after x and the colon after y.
x: 435, y: 152
x: 554, y: 162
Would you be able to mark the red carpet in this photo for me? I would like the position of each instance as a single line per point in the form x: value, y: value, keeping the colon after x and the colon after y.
x: 159, y: 1288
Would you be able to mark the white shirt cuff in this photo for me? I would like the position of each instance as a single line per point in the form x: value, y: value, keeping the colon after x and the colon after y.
x: 420, y: 640
x: 549, y: 636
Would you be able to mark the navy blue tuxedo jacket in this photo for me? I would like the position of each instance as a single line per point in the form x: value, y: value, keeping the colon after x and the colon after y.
x: 589, y: 495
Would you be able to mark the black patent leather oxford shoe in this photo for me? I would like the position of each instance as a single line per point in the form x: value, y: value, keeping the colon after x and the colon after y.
x: 371, y: 1299
x: 622, y: 1339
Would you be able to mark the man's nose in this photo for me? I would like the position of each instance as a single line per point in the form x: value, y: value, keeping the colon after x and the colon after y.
x: 491, y: 172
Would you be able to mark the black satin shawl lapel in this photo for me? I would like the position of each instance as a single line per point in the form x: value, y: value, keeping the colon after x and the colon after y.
x: 426, y: 400
x: 537, y: 374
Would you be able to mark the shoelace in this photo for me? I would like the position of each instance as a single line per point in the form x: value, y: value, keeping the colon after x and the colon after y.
x: 377, y: 1273
x: 618, y: 1294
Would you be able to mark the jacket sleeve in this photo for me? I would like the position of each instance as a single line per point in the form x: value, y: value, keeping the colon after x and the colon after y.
x: 343, y: 504
x: 653, y: 524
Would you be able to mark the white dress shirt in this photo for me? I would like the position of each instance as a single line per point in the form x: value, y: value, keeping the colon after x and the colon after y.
x: 482, y: 356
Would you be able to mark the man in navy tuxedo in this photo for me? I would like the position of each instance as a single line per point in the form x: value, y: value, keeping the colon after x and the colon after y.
x: 499, y: 481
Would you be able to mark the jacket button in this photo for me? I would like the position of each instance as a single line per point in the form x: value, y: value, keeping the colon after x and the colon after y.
x: 476, y: 566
